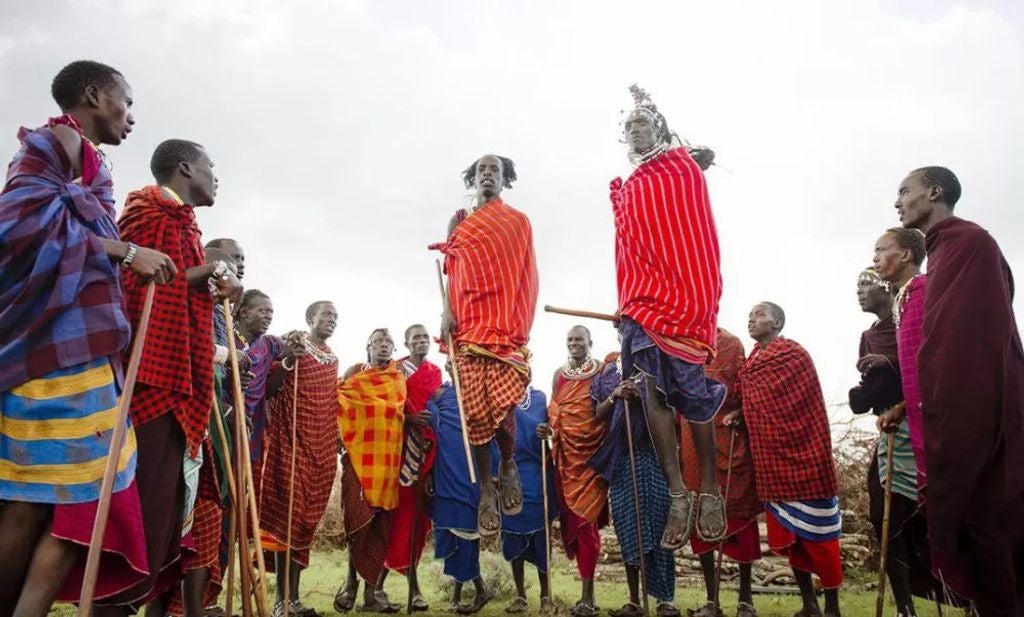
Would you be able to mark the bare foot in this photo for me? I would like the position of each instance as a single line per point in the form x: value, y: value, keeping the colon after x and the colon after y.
x: 680, y: 522
x: 488, y: 519
x: 711, y: 519
x: 511, y: 488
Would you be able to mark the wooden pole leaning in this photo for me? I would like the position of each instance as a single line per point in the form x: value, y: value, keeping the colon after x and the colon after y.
x: 99, y: 528
x: 725, y: 498
x: 636, y: 507
x: 233, y: 498
x: 244, y: 482
x: 544, y: 448
x: 455, y: 380
x: 883, y: 561
x: 291, y: 489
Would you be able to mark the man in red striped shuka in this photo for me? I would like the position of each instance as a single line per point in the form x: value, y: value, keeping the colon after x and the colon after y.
x: 669, y: 284
x: 492, y: 297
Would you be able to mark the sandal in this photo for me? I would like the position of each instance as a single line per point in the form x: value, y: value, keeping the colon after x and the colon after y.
x: 510, y: 482
x: 628, y: 610
x: 745, y: 610
x: 667, y: 609
x: 419, y: 604
x: 681, y: 510
x: 345, y: 599
x: 584, y: 609
x: 479, y: 602
x: 716, y: 505
x: 519, y: 605
x: 708, y: 610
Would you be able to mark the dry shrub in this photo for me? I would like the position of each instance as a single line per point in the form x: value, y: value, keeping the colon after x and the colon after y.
x: 330, y: 533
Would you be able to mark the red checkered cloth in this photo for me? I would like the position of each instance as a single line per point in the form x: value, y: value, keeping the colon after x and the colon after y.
x: 366, y: 527
x: 742, y: 502
x: 316, y: 457
x: 490, y: 387
x: 789, y: 433
x: 176, y: 373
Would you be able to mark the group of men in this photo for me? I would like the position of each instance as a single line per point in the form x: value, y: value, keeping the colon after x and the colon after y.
x: 678, y: 437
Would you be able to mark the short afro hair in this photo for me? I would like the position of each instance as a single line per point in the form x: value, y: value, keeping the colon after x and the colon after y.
x: 508, y: 172
x: 312, y: 309
x: 218, y: 243
x: 909, y: 240
x: 250, y: 296
x: 777, y: 313
x: 69, y: 85
x: 945, y: 180
x: 169, y: 154
x: 411, y: 328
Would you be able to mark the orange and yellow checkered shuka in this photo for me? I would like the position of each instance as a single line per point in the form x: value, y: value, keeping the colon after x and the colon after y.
x: 370, y: 420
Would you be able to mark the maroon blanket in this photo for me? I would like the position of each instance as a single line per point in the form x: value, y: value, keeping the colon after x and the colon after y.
x: 971, y: 373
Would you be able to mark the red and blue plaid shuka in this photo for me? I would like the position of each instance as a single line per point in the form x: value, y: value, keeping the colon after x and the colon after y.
x: 788, y: 425
x: 60, y: 301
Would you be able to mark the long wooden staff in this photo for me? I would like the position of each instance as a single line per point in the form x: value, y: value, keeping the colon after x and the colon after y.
x: 455, y: 381
x: 880, y: 604
x: 238, y: 527
x: 577, y: 313
x: 99, y: 527
x: 544, y: 445
x: 291, y: 488
x: 242, y: 446
x: 636, y: 506
x: 721, y: 543
x: 229, y: 470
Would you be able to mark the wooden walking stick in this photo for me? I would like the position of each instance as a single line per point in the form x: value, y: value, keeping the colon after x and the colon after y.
x: 577, y: 313
x: 725, y: 498
x: 880, y: 604
x: 636, y: 506
x: 229, y: 471
x: 291, y: 489
x: 99, y: 527
x: 246, y: 483
x: 455, y: 381
x: 544, y: 445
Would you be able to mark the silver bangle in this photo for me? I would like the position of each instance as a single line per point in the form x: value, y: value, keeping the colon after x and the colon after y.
x: 129, y: 255
x: 285, y: 366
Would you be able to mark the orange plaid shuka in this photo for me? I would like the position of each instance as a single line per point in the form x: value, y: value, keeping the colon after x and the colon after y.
x: 370, y: 420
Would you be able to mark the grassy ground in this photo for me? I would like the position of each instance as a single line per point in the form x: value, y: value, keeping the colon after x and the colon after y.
x: 327, y: 570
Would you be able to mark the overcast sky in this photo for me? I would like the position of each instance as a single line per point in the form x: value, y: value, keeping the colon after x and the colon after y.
x: 339, y: 130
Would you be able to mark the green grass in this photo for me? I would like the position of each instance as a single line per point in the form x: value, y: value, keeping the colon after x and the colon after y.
x: 327, y: 570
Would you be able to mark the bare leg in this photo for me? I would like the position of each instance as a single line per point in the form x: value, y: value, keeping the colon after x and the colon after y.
x: 488, y: 517
x: 633, y: 582
x: 707, y: 567
x: 704, y: 443
x: 157, y: 607
x: 414, y: 581
x: 810, y: 601
x: 545, y: 593
x: 519, y: 577
x: 662, y: 425
x: 21, y: 526
x: 51, y: 562
x: 456, y: 597
x: 746, y: 581
x: 192, y: 590
x: 832, y: 603
x: 588, y: 592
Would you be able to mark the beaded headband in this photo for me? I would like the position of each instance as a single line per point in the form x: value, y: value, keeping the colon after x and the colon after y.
x: 870, y: 276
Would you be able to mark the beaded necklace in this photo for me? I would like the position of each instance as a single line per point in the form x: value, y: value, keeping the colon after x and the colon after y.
x: 902, y: 297
x: 322, y: 357
x: 587, y: 369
